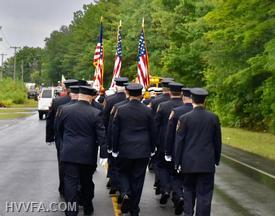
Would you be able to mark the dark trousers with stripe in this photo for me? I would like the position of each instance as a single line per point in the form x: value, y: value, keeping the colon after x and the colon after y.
x: 198, y: 187
x: 76, y: 174
x: 113, y: 172
x: 132, y: 175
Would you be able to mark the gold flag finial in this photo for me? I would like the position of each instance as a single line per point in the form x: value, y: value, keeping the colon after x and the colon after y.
x: 101, y: 18
x: 143, y: 22
x: 120, y: 23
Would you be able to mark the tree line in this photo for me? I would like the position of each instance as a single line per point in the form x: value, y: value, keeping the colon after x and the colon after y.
x: 226, y: 46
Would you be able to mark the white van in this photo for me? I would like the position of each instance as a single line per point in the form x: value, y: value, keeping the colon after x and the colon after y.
x: 44, y: 101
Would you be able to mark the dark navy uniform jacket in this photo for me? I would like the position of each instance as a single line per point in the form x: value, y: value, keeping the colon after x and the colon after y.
x: 82, y: 131
x: 50, y: 135
x: 161, y: 120
x: 171, y: 127
x: 109, y: 102
x: 198, y: 141
x: 157, y: 100
x: 110, y: 125
x: 57, y: 122
x: 133, y: 131
x: 97, y: 105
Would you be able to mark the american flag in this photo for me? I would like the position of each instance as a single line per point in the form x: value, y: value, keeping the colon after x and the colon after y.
x: 117, y: 67
x: 99, y: 61
x: 143, y: 62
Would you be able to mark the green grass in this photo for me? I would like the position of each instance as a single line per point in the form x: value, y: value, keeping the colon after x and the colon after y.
x: 12, y: 110
x: 6, y: 116
x: 262, y: 144
x: 28, y: 104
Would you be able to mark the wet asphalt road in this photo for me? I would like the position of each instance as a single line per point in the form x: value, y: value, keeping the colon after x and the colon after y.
x: 28, y: 173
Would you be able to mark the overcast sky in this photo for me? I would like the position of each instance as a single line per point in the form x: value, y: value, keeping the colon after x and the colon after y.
x: 29, y: 22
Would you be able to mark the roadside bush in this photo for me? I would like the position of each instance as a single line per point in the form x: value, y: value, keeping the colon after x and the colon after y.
x: 12, y: 92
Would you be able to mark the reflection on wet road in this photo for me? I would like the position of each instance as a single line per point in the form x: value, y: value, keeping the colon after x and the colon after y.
x: 29, y: 173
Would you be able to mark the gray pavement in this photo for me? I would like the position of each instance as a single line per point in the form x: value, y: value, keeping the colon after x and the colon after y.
x: 28, y: 172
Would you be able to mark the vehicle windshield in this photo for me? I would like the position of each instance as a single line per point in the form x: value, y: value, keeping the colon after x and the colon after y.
x: 47, y: 94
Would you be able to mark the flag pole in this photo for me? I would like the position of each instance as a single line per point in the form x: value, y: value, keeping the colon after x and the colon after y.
x: 101, y: 23
x: 147, y: 53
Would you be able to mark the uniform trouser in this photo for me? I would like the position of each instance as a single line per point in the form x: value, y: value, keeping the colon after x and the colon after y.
x: 164, y: 174
x: 60, y: 170
x: 132, y: 174
x: 75, y: 174
x: 198, y: 187
x: 113, y: 172
x: 177, y: 185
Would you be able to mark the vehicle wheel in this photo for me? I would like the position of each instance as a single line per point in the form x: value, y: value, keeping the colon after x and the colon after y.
x: 41, y: 115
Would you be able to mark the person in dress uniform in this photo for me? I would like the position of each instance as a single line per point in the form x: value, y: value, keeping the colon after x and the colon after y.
x: 161, y: 119
x: 82, y: 131
x: 162, y: 97
x: 113, y: 169
x: 50, y: 126
x: 165, y: 96
x: 133, y: 143
x: 177, y: 187
x: 108, y: 104
x: 197, y: 152
x: 111, y: 100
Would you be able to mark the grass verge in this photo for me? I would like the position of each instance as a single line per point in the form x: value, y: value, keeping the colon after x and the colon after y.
x: 262, y: 144
x: 28, y: 104
x: 6, y: 116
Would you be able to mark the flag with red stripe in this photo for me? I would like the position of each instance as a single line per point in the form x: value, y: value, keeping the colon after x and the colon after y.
x: 99, y: 61
x: 118, y: 57
x: 143, y: 62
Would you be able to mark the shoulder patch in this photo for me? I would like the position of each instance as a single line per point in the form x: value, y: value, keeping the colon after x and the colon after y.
x: 57, y: 113
x: 158, y: 108
x: 113, y: 111
x: 171, y: 115
x: 178, y: 126
x: 116, y: 113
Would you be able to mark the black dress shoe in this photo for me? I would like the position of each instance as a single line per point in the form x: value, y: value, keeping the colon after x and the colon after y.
x: 88, y: 210
x: 179, y: 206
x: 125, y: 206
x: 119, y: 199
x: 112, y: 192
x: 157, y: 190
x: 108, y: 185
x: 164, y: 198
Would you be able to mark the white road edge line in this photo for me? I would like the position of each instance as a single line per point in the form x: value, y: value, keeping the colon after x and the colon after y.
x: 250, y: 167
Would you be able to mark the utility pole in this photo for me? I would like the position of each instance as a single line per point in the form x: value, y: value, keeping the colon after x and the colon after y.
x: 2, y: 62
x: 1, y: 39
x: 22, y: 70
x: 14, y: 62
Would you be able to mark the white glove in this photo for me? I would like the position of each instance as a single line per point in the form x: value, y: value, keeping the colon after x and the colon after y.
x: 114, y: 154
x: 103, y: 161
x: 179, y: 169
x: 109, y: 151
x: 168, y: 158
x: 50, y: 143
x: 153, y: 153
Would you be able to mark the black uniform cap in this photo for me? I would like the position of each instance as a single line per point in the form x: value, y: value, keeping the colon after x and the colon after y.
x: 82, y: 82
x: 70, y: 82
x: 175, y: 87
x: 134, y: 89
x: 198, y: 94
x: 165, y: 82
x: 186, y: 92
x: 75, y: 89
x: 87, y: 90
x: 121, y: 80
